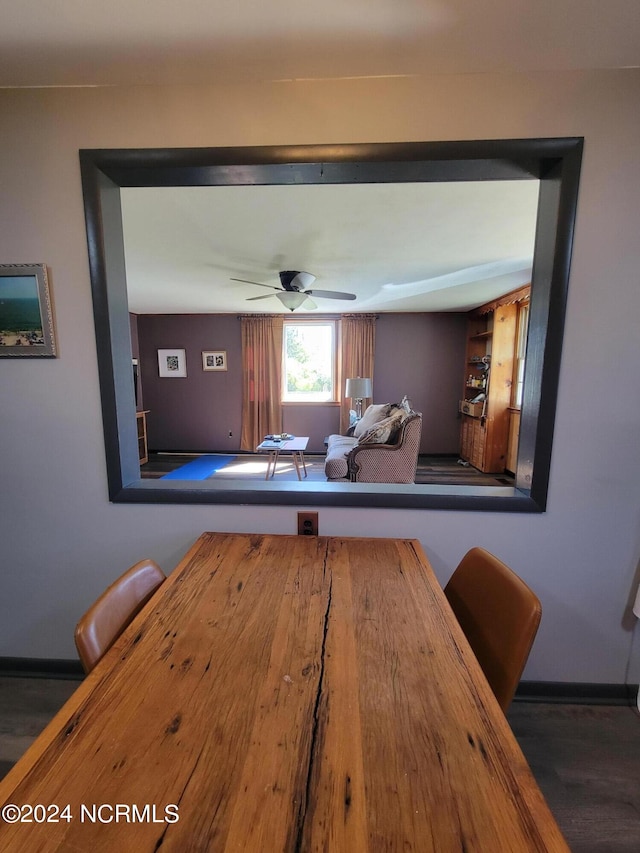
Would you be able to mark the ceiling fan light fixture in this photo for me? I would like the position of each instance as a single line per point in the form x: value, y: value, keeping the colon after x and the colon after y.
x: 291, y: 299
x: 294, y: 291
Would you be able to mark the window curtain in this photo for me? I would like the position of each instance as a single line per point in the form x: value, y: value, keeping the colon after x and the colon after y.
x: 261, y: 378
x: 357, y: 337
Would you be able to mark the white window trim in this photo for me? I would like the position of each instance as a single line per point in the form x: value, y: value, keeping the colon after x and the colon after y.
x: 314, y: 321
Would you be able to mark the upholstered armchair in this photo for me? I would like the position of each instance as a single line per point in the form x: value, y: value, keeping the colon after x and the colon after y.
x: 383, y: 449
x: 388, y: 463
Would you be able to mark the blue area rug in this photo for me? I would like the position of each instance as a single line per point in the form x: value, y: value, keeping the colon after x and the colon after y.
x: 199, y: 469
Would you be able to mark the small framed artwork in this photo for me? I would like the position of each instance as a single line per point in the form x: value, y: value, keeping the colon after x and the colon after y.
x: 214, y: 360
x: 172, y: 363
x: 26, y: 319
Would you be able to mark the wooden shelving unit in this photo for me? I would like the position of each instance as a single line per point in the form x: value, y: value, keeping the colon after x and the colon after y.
x: 484, y: 435
x: 141, y: 425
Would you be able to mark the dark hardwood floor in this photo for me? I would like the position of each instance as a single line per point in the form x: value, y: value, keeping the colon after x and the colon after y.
x: 586, y: 758
x: 243, y: 466
x: 437, y: 470
x: 26, y: 706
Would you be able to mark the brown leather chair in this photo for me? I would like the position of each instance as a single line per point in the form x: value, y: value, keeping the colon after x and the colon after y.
x: 116, y: 608
x: 499, y: 615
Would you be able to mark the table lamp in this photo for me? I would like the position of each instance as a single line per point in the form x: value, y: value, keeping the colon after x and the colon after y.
x: 359, y: 389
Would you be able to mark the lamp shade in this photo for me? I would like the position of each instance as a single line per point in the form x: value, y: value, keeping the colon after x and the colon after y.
x: 636, y: 607
x: 291, y: 299
x: 359, y: 389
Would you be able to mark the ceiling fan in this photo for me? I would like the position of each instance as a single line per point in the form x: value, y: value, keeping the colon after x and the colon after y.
x: 293, y: 294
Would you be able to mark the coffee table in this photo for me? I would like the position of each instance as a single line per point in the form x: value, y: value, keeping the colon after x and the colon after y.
x: 295, y: 446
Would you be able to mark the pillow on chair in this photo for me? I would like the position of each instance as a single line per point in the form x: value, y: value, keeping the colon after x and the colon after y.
x: 384, y: 430
x: 375, y: 413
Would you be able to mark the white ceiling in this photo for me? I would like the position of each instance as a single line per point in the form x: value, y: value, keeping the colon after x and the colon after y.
x: 93, y: 42
x: 397, y: 247
x: 348, y: 245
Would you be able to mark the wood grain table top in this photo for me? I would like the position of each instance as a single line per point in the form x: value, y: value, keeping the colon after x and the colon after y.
x: 283, y: 693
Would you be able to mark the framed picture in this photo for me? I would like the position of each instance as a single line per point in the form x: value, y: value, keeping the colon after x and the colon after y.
x: 26, y: 319
x: 216, y: 360
x: 172, y: 363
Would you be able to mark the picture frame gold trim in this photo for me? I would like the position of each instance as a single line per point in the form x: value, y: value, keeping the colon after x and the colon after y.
x: 22, y: 335
x: 214, y: 360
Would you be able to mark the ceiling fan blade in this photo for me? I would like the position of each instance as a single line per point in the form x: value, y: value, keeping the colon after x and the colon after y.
x: 246, y: 281
x: 330, y: 294
x: 266, y: 296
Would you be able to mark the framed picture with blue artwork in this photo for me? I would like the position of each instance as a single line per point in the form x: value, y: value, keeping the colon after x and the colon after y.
x: 26, y: 318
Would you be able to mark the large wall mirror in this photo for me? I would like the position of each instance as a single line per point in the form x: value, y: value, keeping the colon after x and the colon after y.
x: 129, y: 192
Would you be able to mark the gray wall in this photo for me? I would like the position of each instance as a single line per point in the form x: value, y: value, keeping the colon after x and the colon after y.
x: 63, y: 542
x: 420, y: 355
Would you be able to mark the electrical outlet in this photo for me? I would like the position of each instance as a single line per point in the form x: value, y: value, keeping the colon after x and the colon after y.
x: 307, y: 524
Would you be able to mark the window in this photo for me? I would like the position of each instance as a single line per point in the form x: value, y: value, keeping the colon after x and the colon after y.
x: 309, y: 362
x: 521, y: 349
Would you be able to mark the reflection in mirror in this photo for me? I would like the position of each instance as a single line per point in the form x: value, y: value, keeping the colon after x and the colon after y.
x: 186, y: 241
x: 420, y: 256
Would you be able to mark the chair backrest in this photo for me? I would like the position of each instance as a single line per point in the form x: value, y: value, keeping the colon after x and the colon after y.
x: 389, y: 463
x: 116, y: 608
x: 499, y: 616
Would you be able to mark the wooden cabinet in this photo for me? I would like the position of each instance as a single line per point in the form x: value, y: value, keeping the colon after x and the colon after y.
x: 491, y: 335
x: 514, y: 436
x: 473, y: 439
x: 141, y: 424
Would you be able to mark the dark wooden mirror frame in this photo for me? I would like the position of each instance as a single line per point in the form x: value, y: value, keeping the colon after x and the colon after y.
x: 555, y: 162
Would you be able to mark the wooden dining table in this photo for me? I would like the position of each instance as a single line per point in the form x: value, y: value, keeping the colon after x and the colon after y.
x: 283, y: 693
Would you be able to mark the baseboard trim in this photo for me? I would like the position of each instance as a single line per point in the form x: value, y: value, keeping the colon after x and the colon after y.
x: 41, y: 668
x: 576, y: 693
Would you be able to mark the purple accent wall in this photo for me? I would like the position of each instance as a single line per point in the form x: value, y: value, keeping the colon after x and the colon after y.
x: 195, y: 413
x: 420, y: 355
x: 317, y: 421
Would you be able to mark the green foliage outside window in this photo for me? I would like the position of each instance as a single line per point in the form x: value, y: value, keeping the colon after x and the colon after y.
x: 308, y: 361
